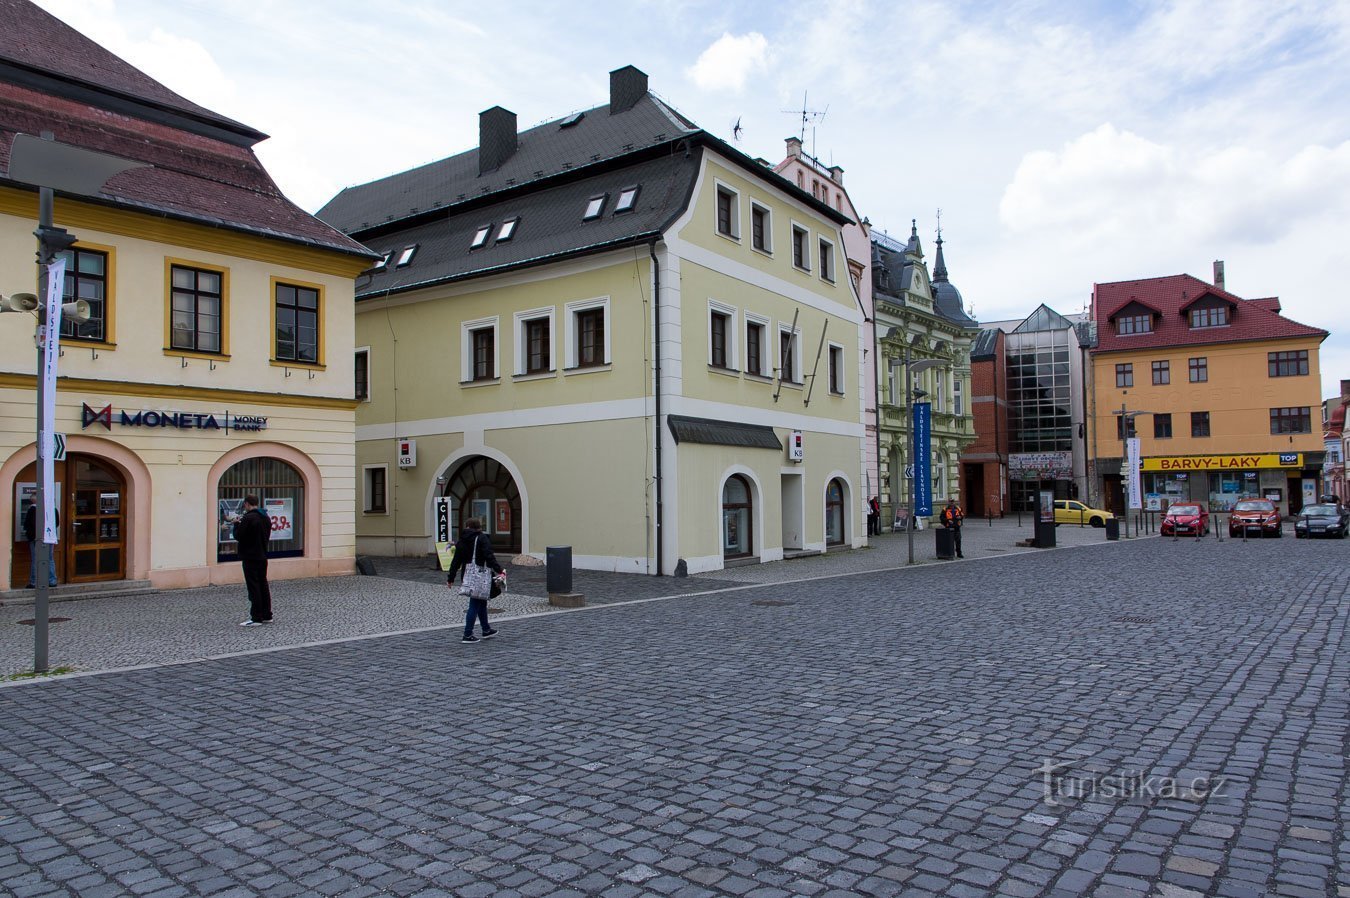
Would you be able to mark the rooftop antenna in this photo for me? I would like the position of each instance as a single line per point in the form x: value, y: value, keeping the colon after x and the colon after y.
x: 810, y: 117
x: 939, y: 222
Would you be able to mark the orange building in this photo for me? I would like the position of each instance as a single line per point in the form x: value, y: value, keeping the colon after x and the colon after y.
x: 1225, y: 389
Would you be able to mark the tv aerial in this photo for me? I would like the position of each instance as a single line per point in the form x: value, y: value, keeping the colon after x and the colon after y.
x: 809, y: 116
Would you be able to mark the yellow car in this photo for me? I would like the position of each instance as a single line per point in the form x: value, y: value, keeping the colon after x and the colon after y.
x: 1068, y: 511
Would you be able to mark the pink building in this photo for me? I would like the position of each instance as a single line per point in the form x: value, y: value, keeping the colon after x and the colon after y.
x: 827, y: 185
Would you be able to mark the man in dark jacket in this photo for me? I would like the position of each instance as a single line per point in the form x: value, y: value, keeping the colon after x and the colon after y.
x: 34, y: 539
x: 252, y: 530
x: 952, y: 516
x: 473, y: 547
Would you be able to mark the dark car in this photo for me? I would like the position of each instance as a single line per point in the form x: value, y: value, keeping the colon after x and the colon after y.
x: 1258, y: 516
x: 1185, y: 519
x: 1322, y: 520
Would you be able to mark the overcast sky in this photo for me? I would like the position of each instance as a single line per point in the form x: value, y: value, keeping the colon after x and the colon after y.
x: 1065, y: 143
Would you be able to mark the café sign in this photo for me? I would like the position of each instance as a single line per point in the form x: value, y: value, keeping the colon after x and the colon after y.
x: 1224, y: 462
x: 154, y: 419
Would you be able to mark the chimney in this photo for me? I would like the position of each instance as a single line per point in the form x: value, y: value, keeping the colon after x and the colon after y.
x: 1218, y: 274
x: 836, y: 174
x: 794, y: 147
x: 627, y: 86
x: 496, y: 138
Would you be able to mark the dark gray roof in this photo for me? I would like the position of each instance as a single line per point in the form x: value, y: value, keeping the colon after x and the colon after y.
x: 542, y: 152
x: 946, y: 298
x: 550, y: 226
x: 722, y: 433
x: 985, y: 344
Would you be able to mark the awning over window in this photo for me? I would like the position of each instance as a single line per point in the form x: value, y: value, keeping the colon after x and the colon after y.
x: 722, y: 433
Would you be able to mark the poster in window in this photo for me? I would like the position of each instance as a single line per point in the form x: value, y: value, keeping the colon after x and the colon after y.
x: 109, y: 503
x: 503, y: 521
x: 482, y: 510
x: 281, y: 512
x: 733, y: 537
x: 229, y: 511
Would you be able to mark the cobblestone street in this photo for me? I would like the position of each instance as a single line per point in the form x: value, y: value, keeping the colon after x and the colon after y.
x: 957, y: 729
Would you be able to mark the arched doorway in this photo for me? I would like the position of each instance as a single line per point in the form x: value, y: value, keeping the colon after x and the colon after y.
x: 737, y: 507
x: 281, y: 490
x: 834, y: 513
x: 483, y: 488
x: 92, y: 509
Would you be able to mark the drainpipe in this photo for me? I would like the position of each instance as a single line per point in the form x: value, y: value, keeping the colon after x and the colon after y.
x: 656, y: 329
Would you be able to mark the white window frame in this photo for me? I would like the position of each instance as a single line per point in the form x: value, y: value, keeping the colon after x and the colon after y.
x: 939, y: 476
x: 519, y: 320
x: 405, y: 256
x: 480, y: 236
x: 506, y: 231
x: 786, y: 328
x: 632, y: 192
x: 602, y: 199
x: 830, y: 350
x: 939, y: 391
x: 366, y: 490
x: 466, y: 330
x: 767, y: 249
x: 765, y: 351
x: 806, y: 246
x: 718, y: 187
x: 827, y: 272
x: 361, y: 350
x: 733, y: 334
x: 958, y: 397
x: 572, y: 334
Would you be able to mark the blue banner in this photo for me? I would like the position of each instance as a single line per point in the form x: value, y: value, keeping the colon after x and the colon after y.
x: 923, y: 459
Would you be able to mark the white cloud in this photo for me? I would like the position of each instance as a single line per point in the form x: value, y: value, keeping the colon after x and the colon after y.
x: 728, y: 62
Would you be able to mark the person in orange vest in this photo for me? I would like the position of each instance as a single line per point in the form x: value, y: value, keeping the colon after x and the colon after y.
x: 952, y: 516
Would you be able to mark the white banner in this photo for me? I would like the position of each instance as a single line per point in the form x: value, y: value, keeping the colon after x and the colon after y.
x: 282, y: 514
x: 1135, y: 494
x: 51, y: 351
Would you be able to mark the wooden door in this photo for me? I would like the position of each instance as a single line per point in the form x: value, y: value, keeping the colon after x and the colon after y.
x: 94, y: 521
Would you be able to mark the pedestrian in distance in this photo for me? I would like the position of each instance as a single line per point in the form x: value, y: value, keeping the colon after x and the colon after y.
x: 952, y: 516
x: 874, y: 516
x: 33, y: 538
x: 473, y: 554
x: 252, y: 531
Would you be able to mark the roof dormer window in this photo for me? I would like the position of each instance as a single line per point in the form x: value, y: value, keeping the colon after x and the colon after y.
x: 627, y: 200
x: 406, y: 255
x: 480, y: 236
x: 1134, y: 324
x: 508, y: 229
x: 1211, y: 316
x: 571, y: 120
x: 595, y: 207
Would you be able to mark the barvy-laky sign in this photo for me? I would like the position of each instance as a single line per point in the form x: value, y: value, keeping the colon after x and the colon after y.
x: 174, y: 420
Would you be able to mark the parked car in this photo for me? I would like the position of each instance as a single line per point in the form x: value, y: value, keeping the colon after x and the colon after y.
x: 1068, y: 511
x: 1322, y: 520
x: 1185, y: 519
x: 1255, y: 515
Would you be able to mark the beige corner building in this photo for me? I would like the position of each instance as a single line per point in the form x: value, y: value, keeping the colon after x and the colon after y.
x: 217, y: 360
x: 613, y: 332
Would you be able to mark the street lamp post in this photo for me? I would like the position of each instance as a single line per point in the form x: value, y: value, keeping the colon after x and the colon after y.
x: 53, y: 166
x: 912, y: 367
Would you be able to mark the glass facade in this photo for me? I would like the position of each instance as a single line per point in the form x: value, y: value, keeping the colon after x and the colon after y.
x: 1040, y: 405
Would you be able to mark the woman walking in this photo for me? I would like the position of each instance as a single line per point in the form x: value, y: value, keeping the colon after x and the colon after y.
x: 473, y: 552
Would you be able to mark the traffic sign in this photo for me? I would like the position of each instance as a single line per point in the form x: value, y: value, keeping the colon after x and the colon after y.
x: 909, y: 472
x: 58, y: 447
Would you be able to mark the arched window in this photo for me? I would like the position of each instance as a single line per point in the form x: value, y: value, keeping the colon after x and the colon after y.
x: 483, y: 488
x: 737, y: 541
x: 280, y: 489
x: 834, y: 513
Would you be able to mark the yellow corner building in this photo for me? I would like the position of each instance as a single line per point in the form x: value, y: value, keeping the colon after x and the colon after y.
x: 1221, y: 391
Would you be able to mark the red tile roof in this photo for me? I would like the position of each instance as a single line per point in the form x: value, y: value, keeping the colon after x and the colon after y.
x: 204, y: 168
x: 1249, y: 320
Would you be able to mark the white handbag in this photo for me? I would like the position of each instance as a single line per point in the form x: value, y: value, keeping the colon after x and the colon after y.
x: 477, y: 577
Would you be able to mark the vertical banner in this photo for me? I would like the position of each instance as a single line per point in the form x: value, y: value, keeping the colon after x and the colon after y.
x: 923, y: 459
x: 445, y: 548
x: 1134, y: 493
x: 51, y: 351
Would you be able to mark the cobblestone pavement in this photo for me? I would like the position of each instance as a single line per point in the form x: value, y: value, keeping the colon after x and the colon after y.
x: 883, y: 734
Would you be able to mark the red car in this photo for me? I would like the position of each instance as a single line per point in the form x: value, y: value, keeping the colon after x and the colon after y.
x: 1259, y: 516
x: 1186, y: 519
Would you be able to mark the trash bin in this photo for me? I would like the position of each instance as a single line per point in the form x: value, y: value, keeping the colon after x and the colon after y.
x: 946, y: 546
x: 1113, y: 528
x: 1045, y: 534
x: 558, y: 569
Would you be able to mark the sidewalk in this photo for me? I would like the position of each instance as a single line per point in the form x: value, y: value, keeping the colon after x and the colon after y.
x: 408, y: 595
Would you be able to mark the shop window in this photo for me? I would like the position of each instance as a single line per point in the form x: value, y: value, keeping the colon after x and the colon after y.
x: 737, y: 508
x: 834, y: 512
x: 281, y: 490
x: 88, y: 277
